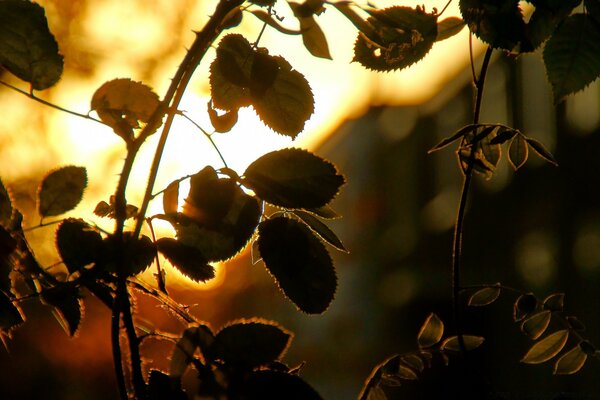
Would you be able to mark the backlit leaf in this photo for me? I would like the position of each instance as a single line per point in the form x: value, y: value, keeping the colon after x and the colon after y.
x: 455, y: 136
x: 570, y: 362
x: 518, y: 152
x: 321, y: 229
x: 413, y: 361
x: 193, y: 338
x: 403, y: 36
x: 575, y: 323
x: 68, y: 306
x: 293, y: 178
x: 171, y: 198
x: 78, y: 244
x: 525, y: 304
x: 492, y: 152
x: 269, y: 20
x: 325, y: 212
x: 27, y: 47
x: 122, y: 104
x: 6, y: 208
x: 299, y: 263
x: 134, y: 255
x: 431, y: 331
x: 555, y: 302
x: 61, y: 190
x: 449, y: 27
x: 504, y: 135
x: 544, y: 20
x: 222, y: 123
x: 103, y: 209
x: 162, y: 386
x: 312, y: 36
x: 572, y: 55
x: 268, y: 384
x: 587, y: 347
x: 546, y: 348
x: 10, y: 315
x: 535, y: 325
x: 8, y: 245
x: 485, y: 296
x: 249, y: 344
x: 541, y: 151
x: 188, y: 260
x: 471, y: 342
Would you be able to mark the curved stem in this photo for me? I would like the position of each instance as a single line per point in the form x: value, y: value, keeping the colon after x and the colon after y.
x: 462, y: 206
x: 208, y: 136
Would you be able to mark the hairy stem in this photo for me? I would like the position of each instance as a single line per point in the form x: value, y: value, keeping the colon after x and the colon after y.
x: 462, y: 206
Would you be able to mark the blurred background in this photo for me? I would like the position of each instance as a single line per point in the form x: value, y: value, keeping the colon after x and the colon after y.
x: 537, y: 230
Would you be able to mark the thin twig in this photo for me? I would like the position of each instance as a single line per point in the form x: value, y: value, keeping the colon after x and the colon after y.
x: 160, y: 281
x: 445, y: 7
x: 208, y: 136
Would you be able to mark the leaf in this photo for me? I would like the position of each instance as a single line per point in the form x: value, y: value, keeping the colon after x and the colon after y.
x: 535, y: 325
x: 449, y: 27
x: 78, y: 244
x: 103, y: 209
x: 11, y: 315
x: 325, y: 212
x: 161, y: 386
x: 188, y: 260
x: 525, y: 304
x: 61, y: 190
x: 134, y: 255
x: 575, y: 323
x: 504, y: 135
x: 293, y: 178
x: 431, y: 331
x: 68, y: 306
x: 299, y: 263
x: 268, y: 384
x: 6, y: 208
x: 544, y: 20
x: 263, y: 3
x: 455, y: 136
x: 27, y: 47
x: 171, y: 198
x: 8, y: 245
x: 570, y: 362
x: 555, y: 302
x: 403, y: 36
x: 485, y: 296
x: 518, y: 152
x: 222, y: 123
x: 250, y: 344
x: 471, y: 342
x: 541, y: 151
x: 312, y: 36
x: 269, y: 20
x: 546, y: 348
x: 194, y: 337
x: 587, y: 347
x: 413, y: 361
x: 321, y: 229
x: 500, y: 24
x: 572, y: 55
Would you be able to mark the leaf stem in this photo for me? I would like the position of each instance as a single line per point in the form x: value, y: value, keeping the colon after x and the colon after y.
x: 462, y: 206
x: 209, y: 137
x: 115, y: 334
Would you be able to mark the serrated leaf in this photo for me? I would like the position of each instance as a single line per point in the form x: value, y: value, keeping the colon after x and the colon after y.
x: 68, y: 306
x: 268, y: 384
x: 133, y: 256
x: 299, y: 263
x: 161, y: 386
x: 222, y: 123
x: 171, y: 198
x: 554, y: 302
x: 403, y: 36
x: 570, y: 362
x: 293, y: 178
x: 500, y: 24
x: 61, y: 190
x: 449, y: 27
x: 193, y: 338
x: 321, y: 229
x: 544, y: 20
x: 541, y: 151
x: 249, y: 344
x: 471, y: 342
x: 11, y: 315
x: 103, y: 209
x: 78, y: 244
x: 524, y: 304
x: 122, y: 104
x: 188, y: 260
x: 518, y: 152
x: 269, y: 20
x: 572, y: 55
x: 485, y: 296
x: 431, y: 331
x: 27, y: 47
x: 535, y: 325
x: 546, y: 348
x: 312, y: 36
x: 6, y: 208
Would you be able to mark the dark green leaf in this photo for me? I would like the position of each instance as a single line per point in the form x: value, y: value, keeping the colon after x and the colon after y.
x: 570, y: 362
x: 544, y: 20
x: 541, y: 151
x: 250, y: 344
x: 525, y: 304
x: 403, y: 36
x: 162, y: 387
x: 471, y: 342
x: 555, y: 302
x: 572, y: 55
x: 321, y: 229
x: 68, y: 306
x: 269, y: 20
x: 518, y: 152
x: 188, y: 260
x: 78, y: 244
x: 449, y: 27
x: 61, y: 190
x: 277, y: 385
x: 535, y: 325
x: 134, y: 255
x: 171, y: 198
x: 10, y: 315
x: 431, y: 331
x: 485, y: 296
x: 27, y: 47
x: 293, y: 178
x: 499, y: 24
x: 194, y: 337
x: 6, y: 208
x: 222, y: 123
x: 546, y: 348
x: 299, y: 262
